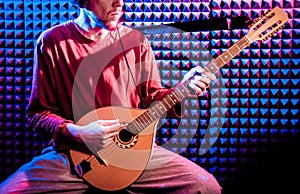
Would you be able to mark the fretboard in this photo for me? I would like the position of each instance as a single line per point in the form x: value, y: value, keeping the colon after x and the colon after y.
x: 182, y: 90
x: 227, y: 55
x: 159, y: 108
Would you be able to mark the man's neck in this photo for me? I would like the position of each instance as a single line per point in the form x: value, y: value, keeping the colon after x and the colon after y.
x: 90, y: 26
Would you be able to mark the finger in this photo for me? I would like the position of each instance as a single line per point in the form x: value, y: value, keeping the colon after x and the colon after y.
x: 202, y: 78
x: 209, y: 75
x: 108, y: 122
x: 203, y: 83
x: 200, y: 91
x: 105, y: 142
x: 113, y: 134
x: 111, y: 129
x: 196, y: 89
x: 200, y: 86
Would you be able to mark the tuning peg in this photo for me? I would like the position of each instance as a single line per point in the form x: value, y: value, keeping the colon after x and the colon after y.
x: 265, y: 39
x: 274, y: 33
x: 254, y: 22
x: 267, y: 12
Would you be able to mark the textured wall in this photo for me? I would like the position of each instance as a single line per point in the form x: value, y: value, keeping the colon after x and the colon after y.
x: 245, y: 131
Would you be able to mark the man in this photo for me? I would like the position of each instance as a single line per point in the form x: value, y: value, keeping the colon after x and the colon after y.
x: 89, y: 63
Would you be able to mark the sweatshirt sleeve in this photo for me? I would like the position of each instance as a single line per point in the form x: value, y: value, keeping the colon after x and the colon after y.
x: 43, y: 111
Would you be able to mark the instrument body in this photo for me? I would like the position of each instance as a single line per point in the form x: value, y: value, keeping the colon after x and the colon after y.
x: 126, y: 160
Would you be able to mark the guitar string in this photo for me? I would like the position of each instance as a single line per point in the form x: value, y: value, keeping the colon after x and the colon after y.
x: 104, y: 153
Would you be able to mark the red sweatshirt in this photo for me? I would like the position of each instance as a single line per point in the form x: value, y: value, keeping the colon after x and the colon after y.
x: 73, y: 75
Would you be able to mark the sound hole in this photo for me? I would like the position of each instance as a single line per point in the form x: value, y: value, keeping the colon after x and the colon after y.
x: 125, y: 136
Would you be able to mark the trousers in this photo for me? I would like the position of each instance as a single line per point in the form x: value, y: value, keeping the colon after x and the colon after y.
x: 167, y: 172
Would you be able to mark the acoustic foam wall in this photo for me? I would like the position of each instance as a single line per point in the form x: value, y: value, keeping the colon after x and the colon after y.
x: 247, y: 123
x: 21, y: 24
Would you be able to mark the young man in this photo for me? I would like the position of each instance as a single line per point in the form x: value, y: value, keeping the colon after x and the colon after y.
x: 89, y: 63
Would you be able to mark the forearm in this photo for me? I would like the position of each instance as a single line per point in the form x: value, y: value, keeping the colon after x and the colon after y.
x: 49, y: 125
x: 71, y: 132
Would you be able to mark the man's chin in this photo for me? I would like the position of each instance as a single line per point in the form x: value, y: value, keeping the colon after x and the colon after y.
x: 112, y: 25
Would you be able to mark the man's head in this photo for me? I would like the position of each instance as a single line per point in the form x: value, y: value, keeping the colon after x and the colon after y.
x: 108, y: 11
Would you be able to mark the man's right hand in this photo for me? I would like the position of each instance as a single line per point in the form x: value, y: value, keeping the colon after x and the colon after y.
x: 98, y: 133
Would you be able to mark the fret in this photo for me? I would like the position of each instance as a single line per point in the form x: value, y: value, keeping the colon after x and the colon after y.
x: 161, y: 106
x: 173, y: 100
x: 187, y: 91
x: 222, y: 60
x: 133, y: 128
x: 157, y: 110
x: 153, y: 114
x: 234, y: 50
x: 247, y: 41
x: 177, y: 98
x: 134, y: 125
x: 212, y: 67
x: 140, y: 122
x: 166, y: 103
x: 235, y: 45
x: 230, y: 51
x: 242, y: 43
x: 226, y: 56
x: 182, y: 90
x: 147, y: 117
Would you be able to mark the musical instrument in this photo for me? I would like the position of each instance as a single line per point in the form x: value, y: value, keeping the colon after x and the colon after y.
x: 120, y: 163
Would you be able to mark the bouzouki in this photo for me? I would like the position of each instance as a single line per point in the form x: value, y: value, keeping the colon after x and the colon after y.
x: 120, y: 163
